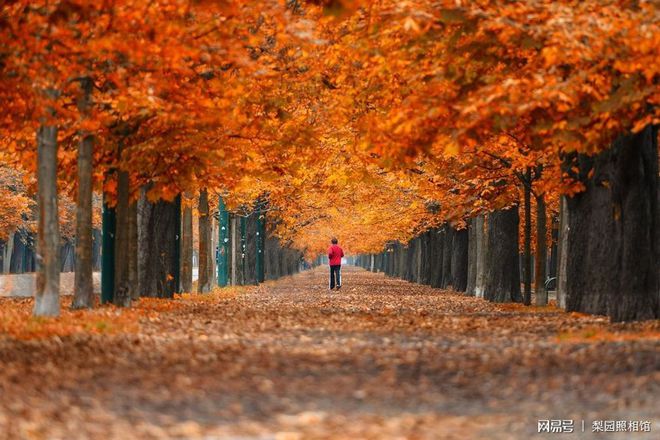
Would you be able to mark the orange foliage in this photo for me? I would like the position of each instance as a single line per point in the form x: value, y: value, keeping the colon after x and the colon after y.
x: 368, y: 120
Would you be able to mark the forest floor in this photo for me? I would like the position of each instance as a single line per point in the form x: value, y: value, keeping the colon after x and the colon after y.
x: 288, y: 360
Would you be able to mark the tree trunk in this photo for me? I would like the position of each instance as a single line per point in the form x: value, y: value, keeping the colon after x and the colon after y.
x: 426, y: 258
x: 562, y: 251
x: 8, y: 251
x: 613, y: 245
x: 122, y: 292
x: 540, y: 291
x: 187, y: 246
x: 482, y: 253
x: 212, y: 253
x: 446, y: 256
x: 68, y: 256
x: 502, y: 274
x: 47, y: 296
x: 406, y: 262
x: 527, y: 258
x: 251, y: 249
x: 553, y: 263
x: 402, y: 262
x: 459, y: 260
x: 419, y: 254
x: 235, y: 249
x: 97, y: 239
x: 108, y: 251
x: 471, y: 286
x: 133, y: 250
x: 203, y: 283
x: 83, y: 296
x: 434, y: 258
x: 157, y: 252
x: 271, y: 267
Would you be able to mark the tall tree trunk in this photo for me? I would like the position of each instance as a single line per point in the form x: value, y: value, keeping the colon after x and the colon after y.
x: 540, y: 291
x: 97, y: 239
x: 553, y: 262
x: 527, y: 257
x: 212, y: 253
x: 613, y: 245
x: 133, y: 280
x: 482, y: 253
x: 203, y: 285
x: 459, y: 260
x: 108, y: 251
x: 446, y: 255
x: 562, y: 251
x: 8, y: 251
x: 122, y: 293
x: 67, y: 256
x: 187, y: 246
x: 418, y: 259
x: 435, y: 257
x: 472, y: 258
x: 83, y: 296
x: 426, y: 258
x: 47, y: 297
x: 251, y: 249
x: 502, y: 274
x: 235, y: 249
x: 157, y: 252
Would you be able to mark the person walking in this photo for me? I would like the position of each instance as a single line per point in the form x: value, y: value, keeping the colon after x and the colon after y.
x: 335, y: 253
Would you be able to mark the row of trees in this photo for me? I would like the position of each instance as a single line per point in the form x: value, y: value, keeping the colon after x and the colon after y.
x: 480, y: 260
x: 370, y: 120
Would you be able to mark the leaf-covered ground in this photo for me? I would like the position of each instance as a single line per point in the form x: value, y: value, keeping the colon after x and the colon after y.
x: 383, y: 358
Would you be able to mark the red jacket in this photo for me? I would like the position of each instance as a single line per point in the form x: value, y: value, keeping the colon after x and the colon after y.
x: 334, y: 254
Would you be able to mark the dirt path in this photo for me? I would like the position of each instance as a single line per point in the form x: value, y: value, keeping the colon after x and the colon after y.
x: 289, y: 360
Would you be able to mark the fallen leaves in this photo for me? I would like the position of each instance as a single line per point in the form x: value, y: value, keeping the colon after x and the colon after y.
x: 16, y: 320
x: 382, y: 358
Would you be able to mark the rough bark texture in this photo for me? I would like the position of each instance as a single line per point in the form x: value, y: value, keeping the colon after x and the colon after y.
x: 613, y: 241
x: 83, y: 296
x: 157, y: 248
x: 203, y: 282
x: 187, y: 246
x: 502, y: 282
x: 540, y: 292
x: 47, y: 296
x: 459, y: 260
x: 472, y: 258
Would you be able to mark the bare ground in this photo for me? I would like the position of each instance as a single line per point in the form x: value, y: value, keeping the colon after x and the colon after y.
x: 381, y: 359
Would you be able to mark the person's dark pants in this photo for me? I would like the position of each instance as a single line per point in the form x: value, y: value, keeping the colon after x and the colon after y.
x: 335, y: 276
